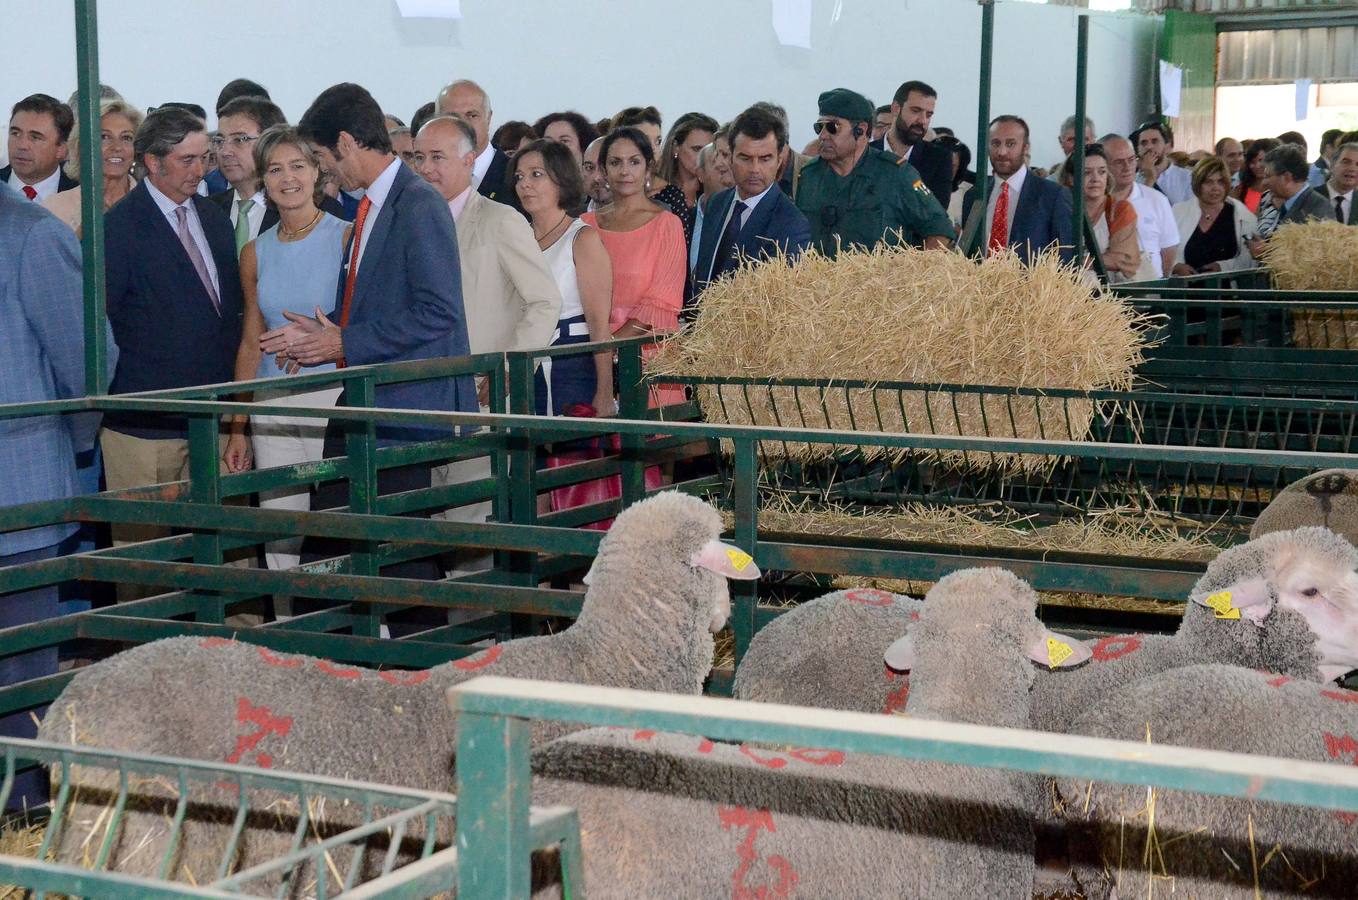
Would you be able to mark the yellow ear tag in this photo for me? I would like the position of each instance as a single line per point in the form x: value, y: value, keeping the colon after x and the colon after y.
x: 1221, y: 603
x: 740, y: 560
x: 1057, y: 652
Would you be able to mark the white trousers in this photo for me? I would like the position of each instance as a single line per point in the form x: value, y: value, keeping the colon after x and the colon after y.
x: 285, y: 441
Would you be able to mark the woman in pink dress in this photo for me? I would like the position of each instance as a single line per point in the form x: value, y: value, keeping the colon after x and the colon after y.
x: 645, y: 243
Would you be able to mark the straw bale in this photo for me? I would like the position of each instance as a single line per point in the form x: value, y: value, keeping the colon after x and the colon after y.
x: 1317, y: 256
x: 18, y: 838
x: 902, y: 314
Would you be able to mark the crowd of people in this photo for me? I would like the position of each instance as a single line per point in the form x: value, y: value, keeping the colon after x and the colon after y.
x: 267, y: 247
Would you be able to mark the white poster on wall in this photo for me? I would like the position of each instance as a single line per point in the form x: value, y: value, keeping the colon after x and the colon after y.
x: 792, y: 22
x: 1171, y: 88
x: 430, y: 9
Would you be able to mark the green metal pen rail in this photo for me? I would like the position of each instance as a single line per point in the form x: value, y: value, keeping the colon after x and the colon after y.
x: 494, y: 777
x: 344, y: 838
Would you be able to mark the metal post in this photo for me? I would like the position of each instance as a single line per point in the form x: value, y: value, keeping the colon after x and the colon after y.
x: 493, y: 781
x: 360, y: 446
x: 205, y: 487
x: 982, y: 155
x: 523, y: 491
x: 744, y: 596
x: 633, y: 394
x: 91, y: 194
x: 1078, y: 169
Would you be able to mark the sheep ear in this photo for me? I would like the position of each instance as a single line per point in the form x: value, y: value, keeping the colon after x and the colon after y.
x: 1251, y: 598
x: 589, y: 576
x: 1058, y: 651
x: 900, y: 656
x: 724, y: 559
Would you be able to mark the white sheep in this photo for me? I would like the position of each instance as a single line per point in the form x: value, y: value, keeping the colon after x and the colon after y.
x: 657, y: 593
x: 666, y: 815
x: 827, y: 652
x: 1128, y: 840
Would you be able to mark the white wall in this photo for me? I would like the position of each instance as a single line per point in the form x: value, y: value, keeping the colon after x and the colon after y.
x: 534, y: 56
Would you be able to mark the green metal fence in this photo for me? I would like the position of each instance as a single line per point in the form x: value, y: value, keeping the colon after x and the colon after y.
x: 493, y: 762
x: 342, y: 837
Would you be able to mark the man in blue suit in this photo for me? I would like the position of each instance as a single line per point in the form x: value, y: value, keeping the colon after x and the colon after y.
x: 174, y: 299
x: 399, y: 295
x: 1025, y: 212
x: 42, y: 355
x: 750, y: 220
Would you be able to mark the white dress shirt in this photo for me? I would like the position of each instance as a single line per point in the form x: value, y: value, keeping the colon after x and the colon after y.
x: 1176, y: 183
x: 45, y: 188
x: 750, y: 204
x: 377, y: 195
x: 255, y: 216
x: 482, y: 165
x: 1015, y: 183
x: 459, y: 203
x: 167, y: 208
x: 1155, y: 228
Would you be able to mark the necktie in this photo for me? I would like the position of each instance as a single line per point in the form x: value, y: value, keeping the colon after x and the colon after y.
x: 726, y: 258
x: 196, y: 257
x: 352, y: 275
x: 243, y: 207
x: 1339, y: 208
x: 999, y: 224
x: 30, y: 192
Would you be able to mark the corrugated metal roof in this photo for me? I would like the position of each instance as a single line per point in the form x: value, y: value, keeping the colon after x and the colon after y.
x: 1236, y: 6
x: 1272, y: 57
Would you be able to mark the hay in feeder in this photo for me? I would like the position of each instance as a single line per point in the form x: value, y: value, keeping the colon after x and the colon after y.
x: 901, y: 314
x: 19, y: 838
x: 1317, y: 256
x: 1120, y: 532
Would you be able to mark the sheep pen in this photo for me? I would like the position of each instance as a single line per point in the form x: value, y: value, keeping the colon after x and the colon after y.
x: 1317, y: 256
x: 1000, y: 322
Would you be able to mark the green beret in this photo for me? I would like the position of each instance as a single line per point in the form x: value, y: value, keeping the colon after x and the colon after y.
x: 846, y: 104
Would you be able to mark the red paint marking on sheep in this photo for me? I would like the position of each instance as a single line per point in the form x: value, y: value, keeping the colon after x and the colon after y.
x: 215, y: 642
x: 870, y: 597
x: 897, y: 697
x: 914, y: 615
x: 706, y: 746
x: 1116, y: 647
x: 754, y: 821
x: 480, y: 660
x: 405, y: 678
x: 265, y: 723
x: 643, y: 734
x: 1341, y: 696
x: 1278, y: 682
x: 818, y: 757
x: 335, y: 671
x: 283, y: 662
x: 770, y: 762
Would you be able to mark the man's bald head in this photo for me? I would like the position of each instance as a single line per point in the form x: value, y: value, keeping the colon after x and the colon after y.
x: 1122, y: 162
x: 469, y: 100
x: 444, y: 154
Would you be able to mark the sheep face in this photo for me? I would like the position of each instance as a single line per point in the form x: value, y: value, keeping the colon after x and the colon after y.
x: 1323, y: 590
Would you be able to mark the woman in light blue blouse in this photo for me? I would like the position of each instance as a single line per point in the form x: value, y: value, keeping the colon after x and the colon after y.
x: 293, y: 265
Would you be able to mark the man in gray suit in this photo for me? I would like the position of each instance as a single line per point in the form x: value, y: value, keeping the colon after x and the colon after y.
x: 1285, y: 172
x: 42, y: 352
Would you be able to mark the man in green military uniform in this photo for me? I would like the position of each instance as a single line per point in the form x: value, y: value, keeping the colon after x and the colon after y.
x: 856, y: 195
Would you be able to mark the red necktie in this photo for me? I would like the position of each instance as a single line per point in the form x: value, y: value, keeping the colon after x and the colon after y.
x: 30, y: 192
x: 363, y: 206
x: 999, y: 224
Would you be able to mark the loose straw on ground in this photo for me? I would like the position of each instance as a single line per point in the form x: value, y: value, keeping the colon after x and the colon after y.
x: 901, y: 314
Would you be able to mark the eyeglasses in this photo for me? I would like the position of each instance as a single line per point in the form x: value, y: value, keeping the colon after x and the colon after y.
x: 235, y: 140
x: 831, y: 126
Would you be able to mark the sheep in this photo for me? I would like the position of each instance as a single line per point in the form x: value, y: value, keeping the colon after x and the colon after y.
x: 1328, y: 499
x: 657, y: 592
x: 1279, y: 595
x: 1210, y: 846
x: 667, y: 815
x: 827, y: 653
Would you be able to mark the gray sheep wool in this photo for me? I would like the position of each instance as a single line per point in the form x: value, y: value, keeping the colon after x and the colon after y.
x: 665, y: 815
x: 1201, y: 846
x: 1328, y: 499
x: 1288, y: 591
x: 657, y: 592
x: 827, y: 653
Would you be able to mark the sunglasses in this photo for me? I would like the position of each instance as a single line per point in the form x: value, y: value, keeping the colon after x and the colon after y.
x: 832, y: 127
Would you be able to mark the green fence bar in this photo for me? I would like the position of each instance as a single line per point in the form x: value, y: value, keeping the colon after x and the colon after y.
x: 1077, y: 194
x: 493, y: 785
x: 91, y: 195
x: 982, y: 154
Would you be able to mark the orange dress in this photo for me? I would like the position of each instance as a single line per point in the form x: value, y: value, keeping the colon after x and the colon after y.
x: 648, y: 282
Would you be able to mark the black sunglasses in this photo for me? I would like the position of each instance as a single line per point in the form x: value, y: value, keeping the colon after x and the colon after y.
x: 832, y: 127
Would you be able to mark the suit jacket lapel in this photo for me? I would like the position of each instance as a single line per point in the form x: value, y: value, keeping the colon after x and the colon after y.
x: 377, y: 238
x: 223, y: 250
x: 1023, y: 210
x: 753, y: 235
x: 714, y: 221
x: 170, y: 246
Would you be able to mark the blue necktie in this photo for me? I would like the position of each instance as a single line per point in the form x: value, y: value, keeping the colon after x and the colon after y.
x: 727, y: 259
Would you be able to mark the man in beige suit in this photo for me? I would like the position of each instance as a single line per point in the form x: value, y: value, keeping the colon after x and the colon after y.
x: 511, y: 299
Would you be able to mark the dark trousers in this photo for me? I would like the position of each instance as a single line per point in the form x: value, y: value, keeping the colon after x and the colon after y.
x: 336, y: 493
x: 23, y: 608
